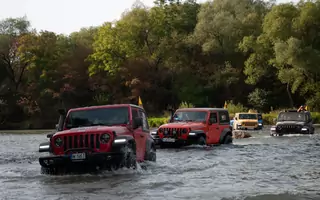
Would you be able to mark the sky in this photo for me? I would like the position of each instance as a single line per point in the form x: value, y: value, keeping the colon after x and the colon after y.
x: 66, y: 16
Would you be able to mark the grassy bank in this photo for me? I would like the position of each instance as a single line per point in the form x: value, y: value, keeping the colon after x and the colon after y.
x: 268, y: 119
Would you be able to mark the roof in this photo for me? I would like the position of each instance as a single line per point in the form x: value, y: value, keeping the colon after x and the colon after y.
x: 105, y: 106
x: 202, y: 109
x: 247, y: 113
x: 286, y: 111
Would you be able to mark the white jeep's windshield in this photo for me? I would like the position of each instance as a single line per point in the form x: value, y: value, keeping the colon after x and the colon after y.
x: 291, y: 116
x: 98, y: 116
x: 248, y: 116
x: 198, y: 116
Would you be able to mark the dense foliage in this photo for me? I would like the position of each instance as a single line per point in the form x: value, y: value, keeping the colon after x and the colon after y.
x: 255, y: 53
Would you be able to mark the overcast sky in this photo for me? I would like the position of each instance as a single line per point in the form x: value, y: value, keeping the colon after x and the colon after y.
x: 66, y: 16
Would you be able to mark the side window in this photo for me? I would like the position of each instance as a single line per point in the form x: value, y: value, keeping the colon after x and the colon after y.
x: 213, y: 118
x: 145, y: 124
x: 224, y: 117
x: 134, y: 113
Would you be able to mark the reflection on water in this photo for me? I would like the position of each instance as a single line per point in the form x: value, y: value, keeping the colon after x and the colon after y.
x: 257, y: 168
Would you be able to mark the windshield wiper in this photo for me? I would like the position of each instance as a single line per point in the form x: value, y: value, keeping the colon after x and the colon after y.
x: 98, y: 124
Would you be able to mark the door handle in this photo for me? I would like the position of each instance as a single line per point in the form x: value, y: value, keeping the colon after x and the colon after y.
x: 142, y: 136
x: 217, y: 128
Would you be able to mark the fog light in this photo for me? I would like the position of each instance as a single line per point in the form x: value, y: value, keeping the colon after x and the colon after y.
x: 304, y: 129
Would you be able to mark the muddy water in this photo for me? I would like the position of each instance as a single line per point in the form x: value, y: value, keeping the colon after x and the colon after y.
x: 257, y: 168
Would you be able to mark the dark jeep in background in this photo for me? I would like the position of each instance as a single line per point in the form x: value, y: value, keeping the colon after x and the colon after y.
x: 293, y: 122
x: 98, y: 137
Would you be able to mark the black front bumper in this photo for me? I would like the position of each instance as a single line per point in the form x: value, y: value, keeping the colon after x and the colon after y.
x: 292, y: 132
x: 95, y: 159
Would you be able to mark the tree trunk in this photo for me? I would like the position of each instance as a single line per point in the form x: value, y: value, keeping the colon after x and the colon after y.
x: 289, y: 95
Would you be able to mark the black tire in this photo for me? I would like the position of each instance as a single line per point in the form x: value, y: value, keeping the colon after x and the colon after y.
x: 227, y: 139
x: 47, y: 171
x: 201, y: 141
x: 52, y: 171
x: 129, y: 159
x: 152, y: 155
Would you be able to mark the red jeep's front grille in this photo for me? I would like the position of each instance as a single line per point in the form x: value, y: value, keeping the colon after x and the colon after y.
x: 81, y: 141
x: 174, y: 132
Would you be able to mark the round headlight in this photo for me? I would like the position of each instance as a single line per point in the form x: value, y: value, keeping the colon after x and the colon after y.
x: 104, y: 138
x: 58, y: 142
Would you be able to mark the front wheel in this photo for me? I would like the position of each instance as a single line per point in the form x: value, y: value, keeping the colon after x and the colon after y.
x: 227, y: 139
x: 152, y: 156
x: 129, y: 159
x: 201, y: 141
x: 52, y: 170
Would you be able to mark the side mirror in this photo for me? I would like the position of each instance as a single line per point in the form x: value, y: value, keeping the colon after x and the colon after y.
x: 61, y: 111
x: 136, y: 122
x: 50, y: 135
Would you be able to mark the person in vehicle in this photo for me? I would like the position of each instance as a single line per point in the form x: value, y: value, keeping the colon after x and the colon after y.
x: 302, y: 108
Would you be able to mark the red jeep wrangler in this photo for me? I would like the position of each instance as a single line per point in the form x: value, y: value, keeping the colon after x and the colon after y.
x: 203, y: 126
x: 98, y: 137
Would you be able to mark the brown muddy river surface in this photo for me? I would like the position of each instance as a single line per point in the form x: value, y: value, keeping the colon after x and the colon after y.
x: 258, y: 168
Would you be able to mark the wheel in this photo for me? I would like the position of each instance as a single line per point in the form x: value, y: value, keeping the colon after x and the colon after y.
x: 227, y: 139
x: 129, y: 159
x: 201, y: 141
x: 151, y: 155
x: 52, y: 171
x: 45, y: 170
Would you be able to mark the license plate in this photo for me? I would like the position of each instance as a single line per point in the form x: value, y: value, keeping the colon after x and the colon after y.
x: 168, y: 140
x: 78, y: 156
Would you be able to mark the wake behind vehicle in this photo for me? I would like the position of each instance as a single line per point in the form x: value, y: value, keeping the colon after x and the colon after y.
x: 293, y: 122
x: 203, y: 126
x: 98, y: 137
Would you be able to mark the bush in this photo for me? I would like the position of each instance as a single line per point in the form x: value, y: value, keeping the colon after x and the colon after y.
x: 235, y: 108
x: 157, y: 121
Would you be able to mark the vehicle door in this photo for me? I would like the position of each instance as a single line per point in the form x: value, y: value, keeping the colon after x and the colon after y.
x: 141, y: 134
x: 213, y: 128
x: 224, y: 121
x: 137, y: 134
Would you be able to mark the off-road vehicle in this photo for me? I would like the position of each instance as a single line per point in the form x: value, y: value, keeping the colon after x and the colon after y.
x: 245, y: 121
x: 203, y: 126
x: 293, y: 122
x: 98, y: 137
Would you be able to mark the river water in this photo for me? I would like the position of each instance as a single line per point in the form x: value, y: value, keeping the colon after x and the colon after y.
x: 257, y: 168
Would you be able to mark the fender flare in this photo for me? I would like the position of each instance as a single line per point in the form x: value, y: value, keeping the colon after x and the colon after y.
x: 44, y: 147
x: 199, y: 133
x: 123, y: 140
x: 226, y: 131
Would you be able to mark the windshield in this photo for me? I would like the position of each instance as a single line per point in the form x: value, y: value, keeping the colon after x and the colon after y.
x: 198, y: 116
x: 98, y: 116
x: 291, y: 116
x: 248, y: 116
x: 259, y: 116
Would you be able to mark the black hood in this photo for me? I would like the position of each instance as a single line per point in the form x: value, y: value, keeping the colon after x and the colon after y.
x: 291, y: 123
